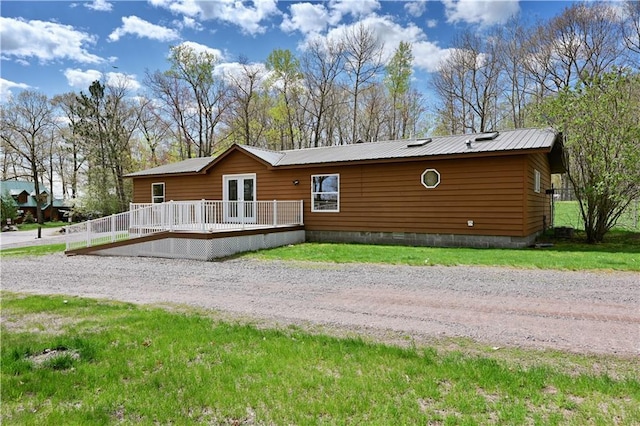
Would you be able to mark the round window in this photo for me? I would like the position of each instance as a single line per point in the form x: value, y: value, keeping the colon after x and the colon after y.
x: 430, y: 178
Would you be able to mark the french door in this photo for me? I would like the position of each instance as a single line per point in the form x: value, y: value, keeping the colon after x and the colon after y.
x: 240, y: 196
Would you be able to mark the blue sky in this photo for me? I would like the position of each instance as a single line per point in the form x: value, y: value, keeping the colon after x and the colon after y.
x: 57, y: 46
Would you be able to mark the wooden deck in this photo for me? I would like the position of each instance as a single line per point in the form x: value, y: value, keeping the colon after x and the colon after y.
x: 198, y: 245
x: 190, y: 229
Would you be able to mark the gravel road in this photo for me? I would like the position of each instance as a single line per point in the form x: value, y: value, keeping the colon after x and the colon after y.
x: 587, y: 312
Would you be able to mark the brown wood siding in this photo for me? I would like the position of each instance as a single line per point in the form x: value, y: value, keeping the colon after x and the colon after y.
x: 538, y: 205
x: 389, y: 197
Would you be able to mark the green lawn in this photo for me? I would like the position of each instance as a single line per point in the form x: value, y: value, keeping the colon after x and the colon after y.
x: 112, y: 362
x: 567, y: 213
x: 33, y: 250
x: 621, y: 252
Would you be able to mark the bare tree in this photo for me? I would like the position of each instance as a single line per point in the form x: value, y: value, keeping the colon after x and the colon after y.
x: 581, y: 43
x: 518, y: 86
x: 631, y: 31
x: 12, y: 167
x: 25, y: 125
x: 467, y: 85
x: 363, y: 63
x: 246, y: 115
x: 153, y: 128
x: 70, y: 152
x: 193, y: 98
x: 322, y: 63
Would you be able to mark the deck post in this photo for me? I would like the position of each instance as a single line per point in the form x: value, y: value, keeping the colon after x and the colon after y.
x: 301, y: 212
x: 132, y: 217
x: 171, y: 212
x: 242, y: 212
x: 275, y: 213
x: 163, y: 214
x: 203, y: 215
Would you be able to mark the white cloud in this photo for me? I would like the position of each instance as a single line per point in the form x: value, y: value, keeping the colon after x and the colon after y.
x: 141, y: 28
x: 121, y: 79
x: 482, y: 12
x: 237, y: 71
x: 307, y: 18
x: 201, y: 48
x: 6, y: 86
x: 357, y: 9
x: 432, y: 23
x: 248, y: 18
x: 45, y: 41
x: 82, y: 79
x: 415, y: 8
x: 188, y: 22
x: 99, y: 5
x: 426, y: 54
x: 314, y: 18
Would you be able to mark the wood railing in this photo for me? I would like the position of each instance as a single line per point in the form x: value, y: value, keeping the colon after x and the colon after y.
x: 193, y: 216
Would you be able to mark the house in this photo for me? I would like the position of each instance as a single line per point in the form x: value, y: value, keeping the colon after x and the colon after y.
x: 483, y: 190
x: 24, y: 195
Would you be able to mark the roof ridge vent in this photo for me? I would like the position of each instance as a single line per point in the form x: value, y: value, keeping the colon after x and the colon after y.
x: 419, y: 142
x: 486, y: 136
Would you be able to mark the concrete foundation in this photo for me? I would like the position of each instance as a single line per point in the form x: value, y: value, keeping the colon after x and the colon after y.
x: 426, y: 240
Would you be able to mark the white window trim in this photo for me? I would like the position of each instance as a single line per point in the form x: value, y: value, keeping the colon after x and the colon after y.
x: 423, y: 182
x: 225, y: 185
x: 337, y: 210
x: 239, y: 214
x: 153, y: 197
x: 536, y: 181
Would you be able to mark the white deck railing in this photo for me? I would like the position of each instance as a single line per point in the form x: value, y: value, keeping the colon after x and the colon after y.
x: 193, y: 216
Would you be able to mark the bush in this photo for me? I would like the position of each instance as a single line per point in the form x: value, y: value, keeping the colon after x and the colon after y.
x: 28, y: 218
x: 8, y: 208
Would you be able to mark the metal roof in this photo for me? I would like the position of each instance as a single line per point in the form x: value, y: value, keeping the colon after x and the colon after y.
x: 16, y: 187
x: 470, y: 144
x: 190, y: 165
x: 509, y: 140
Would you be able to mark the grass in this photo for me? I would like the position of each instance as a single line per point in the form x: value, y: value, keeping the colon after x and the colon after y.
x: 621, y: 252
x: 567, y: 213
x: 39, y: 250
x: 120, y: 363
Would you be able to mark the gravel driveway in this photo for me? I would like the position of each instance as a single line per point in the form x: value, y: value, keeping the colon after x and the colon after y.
x: 597, y: 312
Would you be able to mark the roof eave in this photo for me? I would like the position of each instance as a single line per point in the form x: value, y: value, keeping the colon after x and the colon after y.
x: 252, y: 155
x: 154, y: 175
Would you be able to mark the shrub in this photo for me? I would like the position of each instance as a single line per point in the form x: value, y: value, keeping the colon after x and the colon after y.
x: 28, y: 218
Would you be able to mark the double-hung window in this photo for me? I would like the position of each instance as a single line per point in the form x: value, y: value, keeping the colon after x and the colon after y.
x: 325, y: 193
x: 157, y: 192
x: 536, y: 181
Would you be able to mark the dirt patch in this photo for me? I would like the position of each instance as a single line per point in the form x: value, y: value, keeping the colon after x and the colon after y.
x: 49, y: 355
x: 35, y: 323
